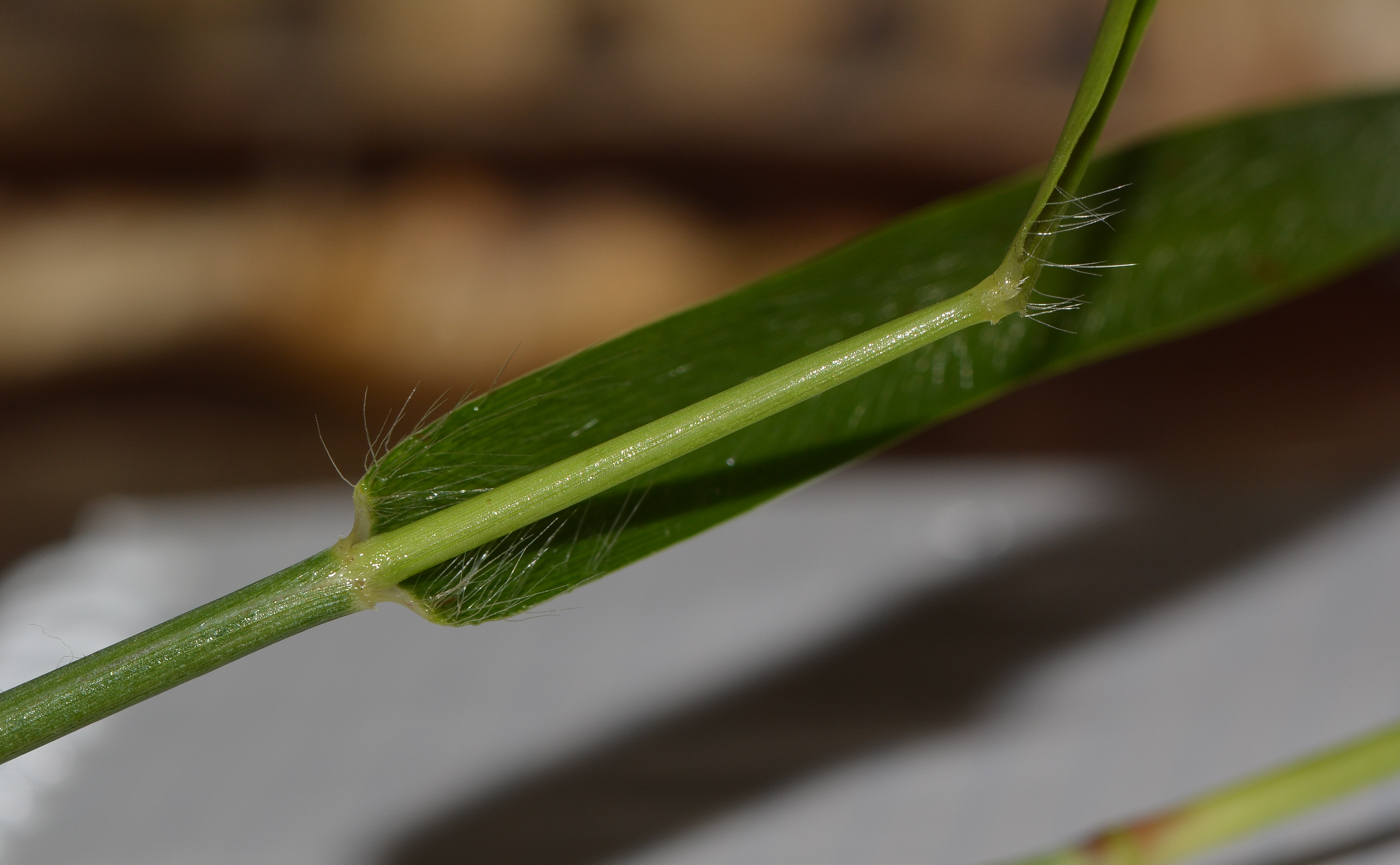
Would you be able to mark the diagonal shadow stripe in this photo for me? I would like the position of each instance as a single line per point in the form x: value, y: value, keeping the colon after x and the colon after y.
x: 930, y: 666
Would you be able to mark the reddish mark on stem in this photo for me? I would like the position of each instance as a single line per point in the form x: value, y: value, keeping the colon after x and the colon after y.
x: 1134, y: 844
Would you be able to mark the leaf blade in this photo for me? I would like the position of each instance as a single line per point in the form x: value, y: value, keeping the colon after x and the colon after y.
x: 1220, y: 220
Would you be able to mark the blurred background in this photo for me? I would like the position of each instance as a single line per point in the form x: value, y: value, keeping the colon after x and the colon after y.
x: 221, y: 220
x: 234, y: 231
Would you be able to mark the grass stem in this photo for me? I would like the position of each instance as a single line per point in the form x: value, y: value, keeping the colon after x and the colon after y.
x: 384, y: 560
x: 1242, y: 808
x: 306, y: 594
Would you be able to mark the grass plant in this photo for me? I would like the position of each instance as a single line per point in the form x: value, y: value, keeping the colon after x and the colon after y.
x: 561, y: 476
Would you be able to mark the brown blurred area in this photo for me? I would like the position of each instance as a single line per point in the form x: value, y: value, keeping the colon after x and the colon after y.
x: 222, y: 221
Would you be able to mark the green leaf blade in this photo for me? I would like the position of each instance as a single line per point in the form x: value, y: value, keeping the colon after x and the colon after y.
x: 1219, y: 221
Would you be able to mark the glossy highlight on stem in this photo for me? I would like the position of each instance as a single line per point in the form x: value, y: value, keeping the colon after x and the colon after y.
x: 307, y: 594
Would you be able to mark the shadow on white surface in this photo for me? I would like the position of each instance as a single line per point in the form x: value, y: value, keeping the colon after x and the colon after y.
x: 918, y: 663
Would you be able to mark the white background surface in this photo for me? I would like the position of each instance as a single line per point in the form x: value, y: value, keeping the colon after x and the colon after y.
x: 329, y: 746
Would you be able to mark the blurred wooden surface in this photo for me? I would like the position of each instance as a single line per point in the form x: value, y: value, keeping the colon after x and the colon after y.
x: 934, y: 84
x: 417, y: 190
x: 433, y: 276
x: 220, y: 218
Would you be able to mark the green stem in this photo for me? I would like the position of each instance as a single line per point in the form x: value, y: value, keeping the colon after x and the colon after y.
x: 354, y: 576
x: 1120, y: 35
x: 1240, y: 809
x: 1081, y: 149
x: 386, y: 559
x: 306, y: 594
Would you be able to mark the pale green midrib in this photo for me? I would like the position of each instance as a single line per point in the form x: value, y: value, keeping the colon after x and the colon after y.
x: 387, y: 559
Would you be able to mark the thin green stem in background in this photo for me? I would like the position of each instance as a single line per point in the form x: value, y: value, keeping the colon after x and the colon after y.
x: 1240, y: 809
